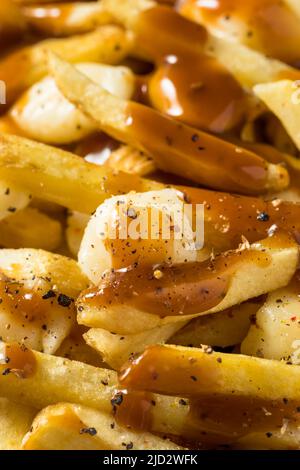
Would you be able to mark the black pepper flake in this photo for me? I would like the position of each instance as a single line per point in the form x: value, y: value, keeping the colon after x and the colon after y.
x: 90, y: 431
x: 194, y: 378
x: 49, y: 294
x: 285, y: 401
x: 263, y: 217
x: 298, y: 409
x: 64, y: 301
x: 195, y: 137
x: 219, y: 359
x: 117, y: 399
x: 129, y: 446
x: 12, y: 209
x: 182, y: 402
x: 269, y: 434
x: 6, y: 372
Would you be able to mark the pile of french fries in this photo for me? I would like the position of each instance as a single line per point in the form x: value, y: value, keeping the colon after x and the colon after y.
x: 123, y: 343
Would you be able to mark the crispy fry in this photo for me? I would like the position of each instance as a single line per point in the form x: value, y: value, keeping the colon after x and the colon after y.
x: 69, y: 427
x: 221, y: 329
x: 37, y: 300
x: 66, y: 18
x: 108, y: 44
x: 54, y: 379
x: 16, y: 420
x: 61, y: 177
x: 193, y: 372
x: 251, y: 272
x: 32, y: 229
x: 171, y: 146
x: 117, y: 349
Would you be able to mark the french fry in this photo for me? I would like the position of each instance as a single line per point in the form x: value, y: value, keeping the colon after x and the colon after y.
x: 283, y: 99
x: 53, y: 379
x: 12, y: 21
x: 116, y: 349
x: 108, y: 44
x: 221, y: 329
x: 171, y: 146
x: 32, y: 229
x: 74, y: 427
x: 130, y: 160
x: 195, y: 372
x: 16, y: 420
x: 236, y: 28
x: 37, y: 300
x: 287, y: 438
x: 61, y: 177
x: 66, y: 18
x: 75, y: 348
x: 142, y: 298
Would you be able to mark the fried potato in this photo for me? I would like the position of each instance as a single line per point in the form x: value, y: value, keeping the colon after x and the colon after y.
x: 108, y: 44
x: 16, y: 421
x: 38, y: 379
x: 111, y: 240
x: 67, y: 18
x: 221, y: 329
x: 287, y: 438
x: 12, y: 21
x: 33, y: 112
x: 37, y: 299
x: 75, y: 348
x: 76, y: 225
x: 32, y: 229
x: 195, y: 372
x: 251, y: 272
x: 61, y: 177
x: 131, y: 160
x: 169, y: 145
x: 275, y: 333
x: 69, y: 427
x: 283, y: 99
x: 12, y: 199
x: 117, y: 349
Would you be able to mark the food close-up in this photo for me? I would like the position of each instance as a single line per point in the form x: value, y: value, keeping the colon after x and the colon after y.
x: 150, y: 225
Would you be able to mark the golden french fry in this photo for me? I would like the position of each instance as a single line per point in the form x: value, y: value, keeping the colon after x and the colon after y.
x: 32, y: 229
x: 74, y: 427
x: 221, y: 329
x: 265, y: 35
x: 13, y: 23
x: 108, y: 44
x: 147, y: 300
x: 66, y: 18
x: 38, y: 379
x: 37, y: 299
x: 283, y: 99
x: 116, y: 349
x: 130, y: 160
x: 198, y: 372
x: 16, y: 421
x: 75, y: 348
x: 171, y: 145
x: 61, y: 177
